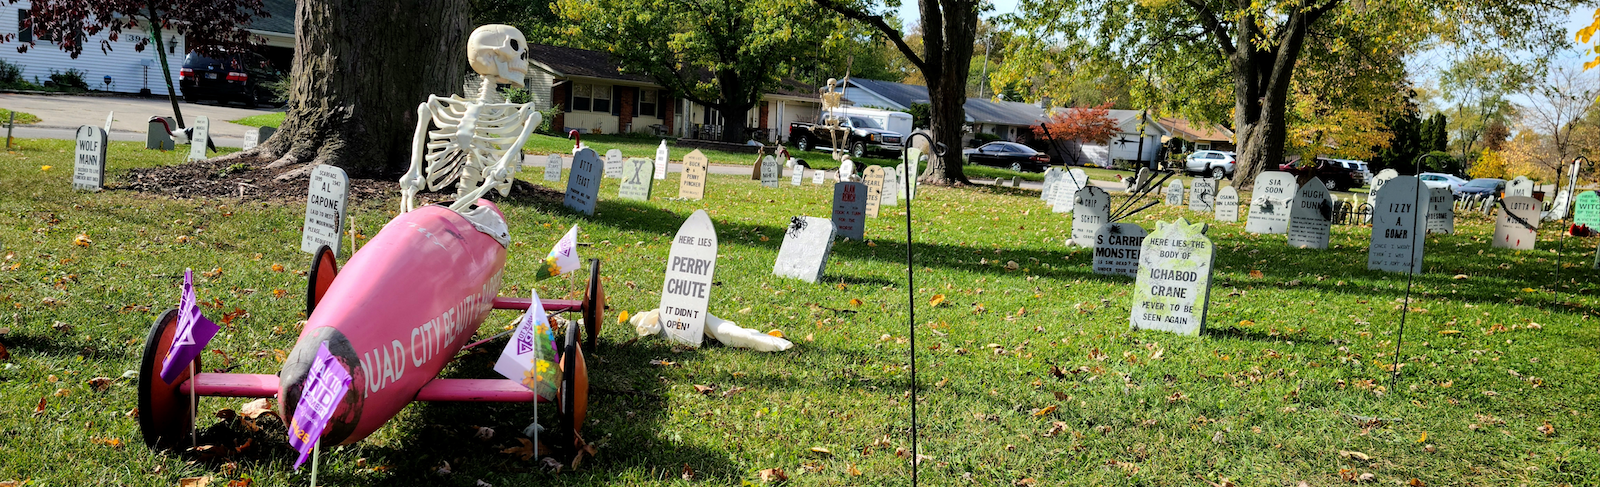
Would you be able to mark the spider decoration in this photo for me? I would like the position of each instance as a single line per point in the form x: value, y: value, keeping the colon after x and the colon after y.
x: 796, y: 225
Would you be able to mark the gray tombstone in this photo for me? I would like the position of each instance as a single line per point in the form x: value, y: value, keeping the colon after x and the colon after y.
x: 327, y: 196
x: 251, y: 139
x: 614, y: 164
x: 1175, y: 193
x: 818, y: 176
x: 1311, y: 216
x: 770, y: 171
x: 1016, y: 181
x: 1202, y: 195
x: 1520, y: 186
x: 1441, y: 211
x: 1173, y: 288
x: 1116, y: 249
x: 1398, y: 222
x: 583, y: 183
x: 686, y: 290
x: 1051, y: 175
x: 1269, y: 206
x: 197, y: 144
x: 1586, y: 211
x: 1140, y: 180
x: 638, y: 178
x: 1227, y: 209
x: 1380, y: 179
x: 1517, y: 226
x: 1558, y: 208
x: 850, y: 210
x: 805, y: 249
x: 552, y: 167
x: 662, y: 155
x: 1091, y: 210
x: 892, y: 185
x: 913, y: 168
x: 873, y: 178
x: 89, y: 166
x: 264, y: 133
x: 158, y: 138
x: 109, y: 117
x: 1063, y: 194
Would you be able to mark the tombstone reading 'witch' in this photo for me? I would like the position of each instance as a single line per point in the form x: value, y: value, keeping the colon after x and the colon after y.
x: 891, y: 188
x: 806, y: 244
x: 795, y: 175
x: 1269, y: 206
x: 583, y: 182
x: 1202, y: 195
x: 614, y: 164
x: 1091, y: 210
x: 1558, y: 208
x: 1520, y: 186
x: 89, y: 168
x: 1051, y: 176
x: 1517, y: 225
x: 1173, y: 287
x: 1381, y: 179
x: 692, y: 183
x: 326, y: 198
x: 850, y: 210
x: 1227, y: 204
x: 1116, y: 249
x: 1586, y: 211
x: 1311, y: 216
x: 1398, y: 222
x: 818, y: 177
x: 1175, y: 193
x: 637, y: 179
x: 1441, y: 211
x: 686, y: 291
x: 770, y: 171
x: 662, y: 154
x: 197, y: 143
x: 552, y: 167
x: 873, y: 178
x: 158, y: 138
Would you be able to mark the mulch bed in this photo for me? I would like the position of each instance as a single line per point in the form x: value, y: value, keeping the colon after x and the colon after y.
x: 212, y: 179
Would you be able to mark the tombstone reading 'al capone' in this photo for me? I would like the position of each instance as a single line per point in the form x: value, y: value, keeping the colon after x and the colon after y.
x: 197, y: 144
x: 661, y: 160
x: 770, y: 171
x: 1517, y: 225
x: 614, y: 164
x: 1227, y: 204
x: 1311, y: 216
x: 686, y: 292
x: 552, y: 167
x: 692, y: 183
x: 1441, y: 211
x: 583, y: 182
x: 1091, y: 209
x: 1116, y: 249
x: 325, y: 209
x: 1173, y: 287
x: 89, y: 168
x: 1586, y: 211
x: 1397, y: 226
x: 157, y: 138
x: 1269, y: 206
x: 1381, y: 179
x: 1558, y: 209
x: 850, y: 210
x: 1202, y: 195
x: 638, y: 178
x: 1175, y: 193
x: 873, y: 178
x: 1520, y: 186
x: 1051, y: 175
x: 804, y: 254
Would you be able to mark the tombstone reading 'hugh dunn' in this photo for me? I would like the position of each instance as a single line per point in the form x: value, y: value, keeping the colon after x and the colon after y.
x: 771, y: 170
x: 89, y: 166
x: 1269, y: 206
x: 1586, y: 211
x: 686, y: 291
x: 1175, y: 193
x: 638, y: 178
x: 1519, y: 186
x: 1173, y: 287
x: 1116, y: 249
x: 1227, y: 204
x: 692, y: 183
x: 325, y: 209
x: 1441, y: 211
x: 1203, y: 195
x: 819, y: 176
x: 1091, y: 210
x: 891, y: 188
x: 873, y: 178
x: 1398, y: 222
x: 552, y: 167
x: 1311, y: 216
x: 157, y: 138
x: 1381, y: 179
x: 583, y: 182
x: 662, y: 154
x: 806, y: 244
x: 850, y: 210
x: 197, y: 144
x: 614, y: 164
x: 1517, y: 225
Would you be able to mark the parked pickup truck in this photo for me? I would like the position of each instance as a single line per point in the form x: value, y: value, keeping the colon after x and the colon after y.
x: 860, y: 136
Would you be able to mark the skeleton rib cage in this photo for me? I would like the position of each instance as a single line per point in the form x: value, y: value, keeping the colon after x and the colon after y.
x: 475, y: 145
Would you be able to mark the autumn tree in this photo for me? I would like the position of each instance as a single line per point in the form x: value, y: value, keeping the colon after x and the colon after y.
x: 1080, y: 125
x: 1559, y: 105
x: 1476, y: 88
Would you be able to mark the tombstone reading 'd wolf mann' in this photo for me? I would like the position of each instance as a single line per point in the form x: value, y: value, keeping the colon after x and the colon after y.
x: 1520, y: 186
x: 637, y: 179
x: 771, y: 170
x: 873, y: 178
x: 850, y: 210
x: 1311, y: 216
x: 662, y: 154
x: 1398, y: 222
x: 583, y: 182
x: 1173, y: 288
x: 157, y: 137
x: 614, y: 164
x: 1586, y: 211
x: 1175, y: 193
x: 1202, y: 195
x: 1227, y: 204
x: 806, y: 244
x: 1116, y: 249
x: 692, y: 183
x: 686, y: 291
x: 1517, y: 225
x: 197, y: 144
x: 1091, y: 210
x: 1269, y: 206
x: 326, y: 199
x: 89, y: 168
x: 552, y: 167
x: 1381, y: 179
x: 818, y: 177
x: 1441, y: 211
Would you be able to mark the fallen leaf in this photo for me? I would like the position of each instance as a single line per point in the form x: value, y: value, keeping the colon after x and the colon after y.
x: 774, y: 475
x: 111, y: 442
x: 824, y: 451
x: 1547, y: 429
x: 1449, y: 332
x: 256, y: 408
x: 1415, y: 482
x: 1459, y: 277
x: 241, y: 483
x: 1246, y: 323
x: 1056, y: 428
x: 82, y: 240
x: 279, y: 293
x: 45, y: 168
x: 194, y: 482
x: 775, y: 332
x: 623, y: 317
x: 484, y: 433
x: 1062, y: 396
x: 1423, y: 438
x: 854, y: 472
x: 688, y: 473
x: 277, y: 267
x: 214, y: 272
x: 1046, y: 411
x: 732, y: 391
x: 38, y: 410
x: 664, y: 363
x: 855, y: 302
x: 704, y: 389
x: 526, y: 452
x: 1354, y: 455
x: 100, y: 384
x: 942, y: 382
x: 937, y: 300
x: 4, y: 354
x: 1255, y: 274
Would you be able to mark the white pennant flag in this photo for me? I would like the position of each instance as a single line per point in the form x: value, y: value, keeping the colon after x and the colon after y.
x: 563, y: 258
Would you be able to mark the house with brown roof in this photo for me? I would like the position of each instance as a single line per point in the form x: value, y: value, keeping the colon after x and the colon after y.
x: 1199, y: 136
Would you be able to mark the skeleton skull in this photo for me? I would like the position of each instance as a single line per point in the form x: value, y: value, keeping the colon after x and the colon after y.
x: 500, y: 53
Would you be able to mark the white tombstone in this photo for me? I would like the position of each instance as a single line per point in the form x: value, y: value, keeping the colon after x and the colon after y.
x: 1398, y: 223
x: 686, y: 290
x: 805, y: 249
x: 1051, y: 175
x: 891, y: 188
x: 795, y: 175
x: 1091, y: 210
x: 1203, y: 195
x: 157, y: 138
x: 552, y: 167
x: 326, y: 199
x: 89, y: 166
x: 638, y: 179
x: 1311, y: 216
x: 583, y: 182
x: 662, y: 155
x: 1079, y: 178
x: 251, y: 139
x: 1558, y: 208
x: 1116, y: 249
x: 1380, y: 179
x: 1173, y: 288
x: 770, y: 171
x: 913, y: 169
x: 197, y: 144
x: 1441, y: 211
x: 1063, y: 194
x: 1517, y: 225
x: 818, y: 176
x: 1269, y: 206
x: 850, y: 210
x: 109, y: 117
x: 1175, y: 193
x: 1227, y: 208
x: 1520, y: 186
x: 614, y: 164
x: 847, y: 169
x: 692, y: 183
x: 873, y: 178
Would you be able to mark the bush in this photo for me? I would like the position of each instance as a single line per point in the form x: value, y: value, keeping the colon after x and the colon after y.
x: 547, y: 118
x: 70, y: 80
x: 10, y: 74
x: 516, y: 95
x: 280, y: 89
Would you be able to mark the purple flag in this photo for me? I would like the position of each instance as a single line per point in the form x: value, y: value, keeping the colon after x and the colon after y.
x: 325, y: 385
x: 193, y: 333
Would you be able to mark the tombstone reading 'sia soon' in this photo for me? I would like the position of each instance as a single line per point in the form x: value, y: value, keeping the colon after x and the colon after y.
x: 1269, y: 206
x: 1173, y: 288
x: 662, y: 154
x: 770, y: 171
x: 325, y: 204
x: 1517, y: 225
x: 1441, y: 211
x: 1091, y: 209
x: 1116, y: 249
x: 552, y: 167
x: 1587, y: 210
x: 197, y: 144
x: 1397, y: 226
x: 1520, y: 186
x: 692, y: 183
x: 637, y: 179
x: 583, y: 183
x: 1202, y: 195
x: 1311, y: 216
x: 89, y: 168
x: 687, y: 289
x: 614, y: 164
x: 1227, y: 204
x: 850, y: 210
x: 873, y: 178
x: 806, y: 244
x: 1175, y: 193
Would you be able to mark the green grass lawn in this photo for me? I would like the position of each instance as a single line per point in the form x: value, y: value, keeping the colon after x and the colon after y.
x: 1026, y: 373
x: 273, y: 120
x: 23, y: 118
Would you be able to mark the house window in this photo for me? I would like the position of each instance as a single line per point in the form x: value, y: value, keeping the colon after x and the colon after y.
x: 24, y: 31
x: 1204, y: 146
x: 648, y: 103
x: 591, y: 98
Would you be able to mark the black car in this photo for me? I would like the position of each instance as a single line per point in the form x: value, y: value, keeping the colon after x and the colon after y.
x: 1010, y: 155
x: 1334, y: 175
x: 233, y: 77
x: 1484, y: 186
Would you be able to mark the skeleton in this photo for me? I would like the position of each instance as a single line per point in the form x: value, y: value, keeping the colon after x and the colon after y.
x: 476, y: 142
x: 831, y: 102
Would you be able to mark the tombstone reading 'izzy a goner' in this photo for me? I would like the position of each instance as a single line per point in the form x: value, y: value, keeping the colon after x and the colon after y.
x: 614, y: 164
x: 89, y: 167
x: 1116, y: 249
x: 638, y: 177
x: 1227, y: 204
x: 1519, y: 186
x: 552, y: 167
x: 1269, y: 206
x: 1091, y: 209
x: 850, y: 210
x: 1311, y: 216
x: 806, y: 244
x: 1441, y: 211
x: 1175, y: 193
x: 1202, y: 194
x: 770, y: 171
x: 1173, y: 287
x: 202, y: 134
x: 692, y: 183
x: 1517, y: 225
x: 583, y: 182
x: 873, y: 178
x: 325, y: 209
x: 1398, y: 222
x: 686, y: 291
x: 1586, y: 211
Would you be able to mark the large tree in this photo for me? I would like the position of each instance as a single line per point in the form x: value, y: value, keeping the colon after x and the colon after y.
x: 1477, y: 86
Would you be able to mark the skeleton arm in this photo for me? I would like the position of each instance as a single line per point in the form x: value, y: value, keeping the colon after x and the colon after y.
x: 412, y: 181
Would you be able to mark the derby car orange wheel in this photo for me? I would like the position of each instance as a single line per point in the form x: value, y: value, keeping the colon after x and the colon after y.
x: 324, y: 267
x: 165, y: 416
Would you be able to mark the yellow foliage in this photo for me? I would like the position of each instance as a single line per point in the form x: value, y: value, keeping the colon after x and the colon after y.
x: 1585, y: 34
x: 1490, y: 165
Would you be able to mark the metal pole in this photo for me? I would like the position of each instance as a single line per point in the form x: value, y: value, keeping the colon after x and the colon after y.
x: 911, y: 294
x: 1572, y: 189
x: 10, y: 124
x: 1411, y: 270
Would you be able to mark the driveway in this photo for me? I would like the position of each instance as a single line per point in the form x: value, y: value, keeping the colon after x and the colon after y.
x: 61, y: 115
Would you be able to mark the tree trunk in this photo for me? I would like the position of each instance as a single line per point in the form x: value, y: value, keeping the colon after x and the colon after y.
x: 735, y: 119
x: 1261, y: 95
x: 947, y: 58
x: 360, y: 70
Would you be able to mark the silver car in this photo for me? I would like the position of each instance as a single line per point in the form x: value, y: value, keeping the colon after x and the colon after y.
x: 1214, y: 163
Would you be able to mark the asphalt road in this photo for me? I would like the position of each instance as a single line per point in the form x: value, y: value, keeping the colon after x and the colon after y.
x: 61, y: 115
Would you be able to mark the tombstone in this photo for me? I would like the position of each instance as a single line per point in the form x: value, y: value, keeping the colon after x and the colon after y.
x: 1091, y: 210
x: 1051, y: 176
x: 873, y: 178
x: 913, y: 168
x: 892, y: 185
x: 1520, y: 186
x: 614, y: 164
x: 692, y: 183
x: 1587, y: 210
x: 1175, y: 193
x: 686, y: 289
x: 157, y: 137
x: 1173, y: 288
x: 795, y: 175
x: 770, y: 171
x: 1311, y: 216
x: 1398, y: 222
x: 1140, y: 179
x: 583, y: 182
x: 1380, y: 179
x: 552, y: 167
x: 850, y: 209
x: 197, y: 143
x: 847, y: 169
x: 1558, y: 208
x: 662, y: 155
x: 326, y: 197
x: 1489, y: 205
x: 1116, y: 249
x: 264, y: 133
x: 1441, y: 211
x: 818, y: 177
x: 1227, y: 208
x: 1269, y: 206
x: 638, y: 178
x: 1081, y: 178
x: 256, y: 136
x: 1016, y: 181
x: 1203, y: 195
x: 805, y: 249
x: 89, y: 167
x: 1063, y: 194
x: 1517, y: 226
x: 109, y: 116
